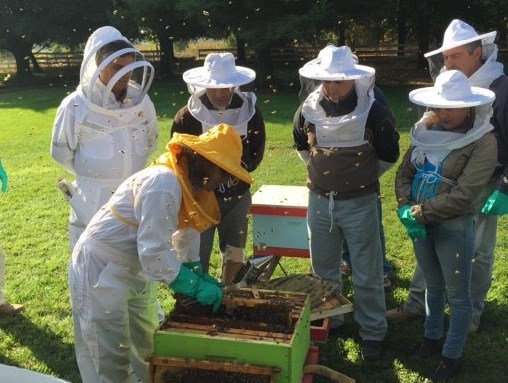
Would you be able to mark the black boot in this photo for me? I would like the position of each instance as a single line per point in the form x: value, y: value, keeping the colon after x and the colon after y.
x: 429, y: 348
x: 448, y: 368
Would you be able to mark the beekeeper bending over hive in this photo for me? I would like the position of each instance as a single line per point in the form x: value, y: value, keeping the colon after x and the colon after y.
x: 106, y: 129
x: 148, y: 230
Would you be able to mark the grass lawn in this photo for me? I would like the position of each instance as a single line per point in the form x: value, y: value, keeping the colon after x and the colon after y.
x: 33, y: 234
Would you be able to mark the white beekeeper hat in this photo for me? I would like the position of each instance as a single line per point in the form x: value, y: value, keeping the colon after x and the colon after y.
x: 335, y: 64
x: 219, y: 71
x: 460, y: 33
x: 451, y: 90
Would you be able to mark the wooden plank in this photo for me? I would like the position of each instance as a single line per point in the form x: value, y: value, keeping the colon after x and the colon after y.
x: 212, y: 365
x: 229, y: 332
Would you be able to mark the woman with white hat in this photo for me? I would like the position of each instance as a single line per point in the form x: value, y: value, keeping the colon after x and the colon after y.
x: 148, y: 231
x: 347, y: 139
x: 438, y: 185
x: 215, y: 99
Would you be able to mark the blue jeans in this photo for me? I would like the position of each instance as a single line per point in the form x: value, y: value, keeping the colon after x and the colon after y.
x: 387, y: 266
x: 483, y: 263
x: 329, y: 223
x: 445, y: 260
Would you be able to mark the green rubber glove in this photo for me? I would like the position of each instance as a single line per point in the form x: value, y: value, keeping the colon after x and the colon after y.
x: 3, y: 178
x: 190, y: 284
x: 415, y: 229
x: 197, y: 268
x: 496, y: 204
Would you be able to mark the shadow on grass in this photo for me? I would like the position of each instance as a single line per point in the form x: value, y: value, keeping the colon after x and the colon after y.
x: 342, y: 352
x: 46, y: 347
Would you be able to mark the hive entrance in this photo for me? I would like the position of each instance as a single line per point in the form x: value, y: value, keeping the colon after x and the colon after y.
x: 195, y: 375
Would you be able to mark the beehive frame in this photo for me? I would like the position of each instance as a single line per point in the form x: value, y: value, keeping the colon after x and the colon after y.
x: 275, y: 351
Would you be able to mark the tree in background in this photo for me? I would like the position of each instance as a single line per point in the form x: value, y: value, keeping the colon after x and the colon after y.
x: 483, y: 15
x: 37, y: 23
x: 358, y: 21
x: 428, y: 19
x: 219, y: 20
x: 256, y: 25
x: 159, y: 21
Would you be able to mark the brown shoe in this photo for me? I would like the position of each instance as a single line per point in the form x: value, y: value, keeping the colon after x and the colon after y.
x: 401, y: 315
x: 10, y: 309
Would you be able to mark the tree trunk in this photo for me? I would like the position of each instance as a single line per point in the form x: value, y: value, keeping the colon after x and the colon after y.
x: 423, y: 32
x: 167, y: 55
x: 401, y: 28
x: 241, y: 56
x: 35, y: 64
x: 264, y: 75
x: 21, y: 49
x: 341, y: 34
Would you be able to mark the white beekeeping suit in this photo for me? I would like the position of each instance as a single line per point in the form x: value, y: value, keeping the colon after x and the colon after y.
x: 100, y: 135
x: 148, y: 232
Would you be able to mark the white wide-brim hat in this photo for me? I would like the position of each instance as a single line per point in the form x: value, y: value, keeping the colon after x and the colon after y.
x: 335, y: 64
x: 460, y: 33
x: 219, y: 71
x: 451, y: 90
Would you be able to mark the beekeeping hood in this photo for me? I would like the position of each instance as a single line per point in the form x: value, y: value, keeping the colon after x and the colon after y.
x: 336, y: 64
x: 452, y: 89
x: 332, y: 64
x: 219, y: 71
x: 98, y: 94
x: 459, y: 33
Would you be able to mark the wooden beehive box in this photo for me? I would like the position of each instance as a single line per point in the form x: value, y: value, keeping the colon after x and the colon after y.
x: 324, y: 296
x: 260, y: 333
x: 279, y: 223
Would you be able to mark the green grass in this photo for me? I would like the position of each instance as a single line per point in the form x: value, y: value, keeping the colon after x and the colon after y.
x: 33, y: 233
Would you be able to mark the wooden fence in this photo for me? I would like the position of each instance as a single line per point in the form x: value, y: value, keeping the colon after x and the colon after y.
x: 280, y: 55
x: 60, y: 60
x: 291, y: 55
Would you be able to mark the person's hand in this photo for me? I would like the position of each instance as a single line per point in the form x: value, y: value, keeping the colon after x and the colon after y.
x: 209, y: 279
x: 197, y: 268
x: 208, y: 293
x: 496, y: 204
x: 189, y: 283
x: 415, y: 229
x: 3, y: 178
